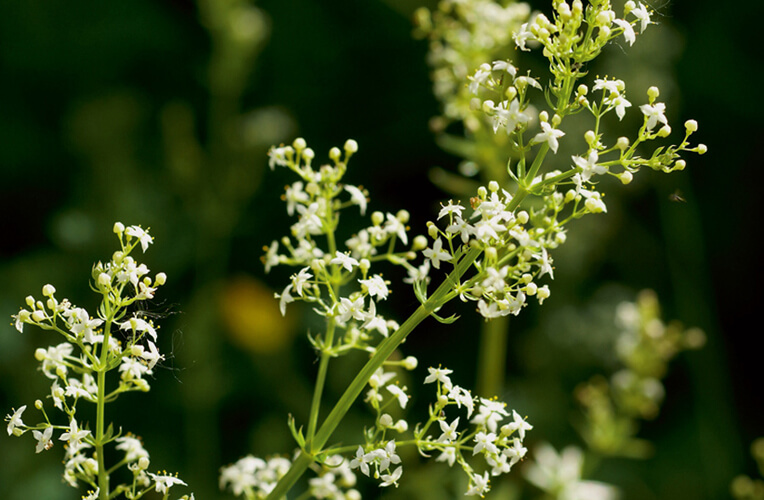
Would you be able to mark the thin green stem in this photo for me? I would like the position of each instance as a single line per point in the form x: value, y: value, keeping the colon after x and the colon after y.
x: 320, y: 379
x: 103, y: 476
x: 492, y: 356
x: 384, y: 350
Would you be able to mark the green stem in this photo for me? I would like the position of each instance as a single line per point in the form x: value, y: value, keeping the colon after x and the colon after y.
x: 103, y: 476
x: 384, y: 350
x: 320, y: 380
x: 492, y: 356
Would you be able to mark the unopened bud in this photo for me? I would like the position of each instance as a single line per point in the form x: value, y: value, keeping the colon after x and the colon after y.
x: 351, y: 146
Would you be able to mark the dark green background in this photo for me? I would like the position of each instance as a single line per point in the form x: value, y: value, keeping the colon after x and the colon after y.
x: 82, y: 86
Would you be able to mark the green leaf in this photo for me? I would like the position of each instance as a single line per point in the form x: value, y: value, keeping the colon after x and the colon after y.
x: 296, y: 433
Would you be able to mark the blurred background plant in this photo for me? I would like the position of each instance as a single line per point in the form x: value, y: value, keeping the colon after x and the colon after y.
x: 160, y: 113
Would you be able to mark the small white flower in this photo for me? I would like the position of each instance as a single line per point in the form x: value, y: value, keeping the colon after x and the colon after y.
x: 549, y: 135
x: 440, y: 375
x: 448, y: 455
x: 376, y: 287
x: 141, y: 234
x: 522, y: 36
x: 481, y: 75
x: 390, y: 479
x: 14, y: 420
x: 75, y: 435
x: 139, y: 325
x: 449, y: 433
x: 449, y: 209
x: 589, y: 165
x: 361, y: 461
x: 43, y: 439
x: 164, y: 482
x: 357, y: 197
x: 300, y: 279
x: 654, y: 114
x: 485, y: 442
x: 437, y: 254
x: 628, y: 30
x: 399, y: 393
x: 479, y: 485
x: 641, y: 13
x: 284, y: 299
x: 345, y: 261
x: 519, y: 424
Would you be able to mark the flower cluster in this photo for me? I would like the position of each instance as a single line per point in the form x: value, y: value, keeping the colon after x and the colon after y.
x: 559, y: 474
x: 500, y: 445
x: 326, y: 272
x: 463, y: 34
x: 118, y: 338
x: 644, y: 347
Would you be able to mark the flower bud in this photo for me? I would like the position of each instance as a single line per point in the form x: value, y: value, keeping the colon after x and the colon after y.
x: 364, y: 266
x: 308, y: 154
x: 622, y: 143
x: 299, y: 144
x: 493, y: 186
x: 488, y: 106
x: 583, y: 89
x: 104, y: 279
x: 680, y: 164
x: 691, y: 126
x: 403, y: 216
x: 377, y: 218
x: 523, y: 217
x: 626, y: 177
x: 40, y: 354
x: 38, y: 316
x: 161, y: 279
x: 143, y: 463
x: 419, y: 243
x: 401, y: 426
x: 386, y: 420
x: 351, y: 146
x: 701, y: 149
x: 119, y: 228
x: 48, y: 290
x: 410, y: 363
x: 653, y: 93
x: 432, y: 230
x: 664, y: 131
x: 590, y: 137
x: 544, y: 116
x: 38, y: 404
x: 334, y: 154
x: 30, y: 301
x: 490, y: 254
x: 531, y: 289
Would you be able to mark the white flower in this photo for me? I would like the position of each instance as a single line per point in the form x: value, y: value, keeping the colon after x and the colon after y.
x: 43, y: 439
x: 620, y: 103
x: 628, y: 30
x: 271, y: 257
x: 449, y: 209
x: 164, y: 482
x: 516, y: 452
x: 589, y: 165
x: 519, y: 424
x: 549, y: 135
x: 284, y: 299
x: 523, y: 35
x: 394, y: 225
x: 376, y: 287
x: 440, y: 375
x: 480, y: 76
x: 351, y: 309
x: 509, y: 118
x: 641, y: 13
x: 448, y: 455
x: 390, y: 479
x: 15, y: 419
x: 132, y: 447
x: 300, y: 279
x: 139, y: 325
x: 399, y: 393
x: 92, y: 495
x: 436, y: 254
x: 75, y: 435
x: 485, y: 442
x: 345, y: 261
x: 357, y: 197
x: 611, y: 86
x: 654, y: 114
x: 449, y: 433
x: 141, y: 234
x: 479, y: 485
x: 361, y: 461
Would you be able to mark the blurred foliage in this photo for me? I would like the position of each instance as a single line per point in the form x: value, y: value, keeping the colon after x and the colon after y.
x: 160, y: 113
